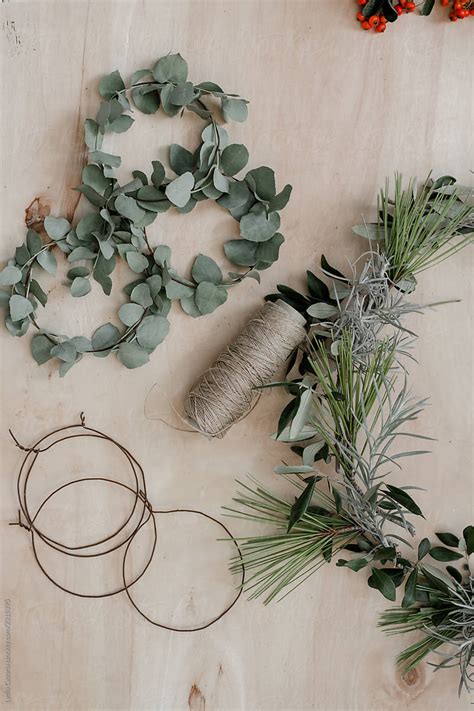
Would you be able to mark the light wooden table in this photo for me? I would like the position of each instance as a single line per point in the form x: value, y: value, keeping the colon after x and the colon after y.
x: 334, y: 111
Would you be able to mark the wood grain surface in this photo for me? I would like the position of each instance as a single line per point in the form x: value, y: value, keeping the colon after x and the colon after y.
x: 333, y: 110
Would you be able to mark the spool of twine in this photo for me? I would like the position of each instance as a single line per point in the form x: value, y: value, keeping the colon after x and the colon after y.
x: 225, y: 391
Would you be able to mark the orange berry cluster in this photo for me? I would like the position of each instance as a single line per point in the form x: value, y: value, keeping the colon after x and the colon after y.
x: 459, y: 10
x: 377, y: 21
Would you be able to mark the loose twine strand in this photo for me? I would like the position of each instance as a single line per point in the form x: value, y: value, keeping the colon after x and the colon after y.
x: 122, y: 537
x: 224, y: 394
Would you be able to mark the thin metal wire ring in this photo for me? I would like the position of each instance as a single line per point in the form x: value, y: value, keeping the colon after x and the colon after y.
x: 139, y: 493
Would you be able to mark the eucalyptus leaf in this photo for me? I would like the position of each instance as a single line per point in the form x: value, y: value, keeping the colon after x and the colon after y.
x: 234, y: 109
x: 181, y: 160
x: 80, y: 286
x: 141, y: 294
x: 105, y: 336
x: 257, y: 227
x: 152, y: 331
x: 130, y: 314
x: 205, y: 269
x: 322, y: 310
x: 41, y: 347
x: 20, y: 307
x: 179, y: 190
x: 56, y: 227
x: 233, y: 159
x: 131, y: 355
x: 172, y: 68
x: 137, y: 262
x: 209, y: 297
x: 10, y: 275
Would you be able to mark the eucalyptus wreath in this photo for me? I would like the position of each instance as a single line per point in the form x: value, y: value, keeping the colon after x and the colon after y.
x: 117, y: 227
x: 350, y: 404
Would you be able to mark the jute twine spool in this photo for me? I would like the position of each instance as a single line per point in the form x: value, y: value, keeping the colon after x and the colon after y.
x: 225, y: 391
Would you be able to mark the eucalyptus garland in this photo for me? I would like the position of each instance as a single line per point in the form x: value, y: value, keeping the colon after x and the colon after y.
x: 116, y: 229
x: 350, y: 404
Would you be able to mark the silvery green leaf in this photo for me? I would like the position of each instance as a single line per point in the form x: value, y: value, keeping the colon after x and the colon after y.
x: 152, y: 331
x: 209, y: 86
x: 307, y: 432
x: 80, y: 286
x: 132, y: 355
x: 207, y: 154
x: 34, y: 242
x: 93, y: 197
x: 47, y: 260
x: 89, y: 224
x: 299, y: 420
x: 106, y: 248
x: 293, y: 469
x: 339, y: 291
x: 127, y: 206
x: 141, y: 295
x: 65, y: 367
x: 189, y: 306
x: 81, y: 253
x: 154, y: 284
x: 105, y: 159
x: 4, y: 299
x: 182, y: 94
x: 268, y: 251
x: 111, y: 85
x: 205, y: 269
x: 181, y: 160
x: 169, y: 108
x: 105, y: 336
x: 41, y: 348
x: 81, y: 344
x: 17, y: 328
x: 140, y: 74
x: 253, y: 274
x: 311, y: 451
x: 175, y: 290
x: 56, y: 227
x: 65, y: 351
x: 162, y: 305
x: 278, y: 202
x: 172, y: 68
x: 179, y: 190
x: 121, y: 124
x: 370, y: 231
x: 322, y: 311
x: 162, y: 255
x: 94, y: 177
x: 22, y: 255
x: 221, y: 183
x: 9, y: 276
x: 262, y: 182
x: 256, y: 227
x: 234, y: 109
x: 38, y: 292
x: 158, y: 174
x: 238, y: 195
x: 214, y: 135
x: 92, y: 135
x: 233, y: 159
x: 108, y: 111
x: 241, y: 252
x: 211, y: 191
x: 148, y: 102
x: 190, y: 205
x: 130, y: 314
x: 209, y: 296
x: 137, y: 262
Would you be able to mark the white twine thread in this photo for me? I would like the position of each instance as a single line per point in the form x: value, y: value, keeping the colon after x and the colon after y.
x: 225, y: 391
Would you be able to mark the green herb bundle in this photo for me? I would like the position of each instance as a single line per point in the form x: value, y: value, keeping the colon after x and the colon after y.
x: 350, y: 405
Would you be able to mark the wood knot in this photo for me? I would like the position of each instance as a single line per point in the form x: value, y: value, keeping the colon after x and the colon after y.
x: 413, y: 680
x: 36, y: 211
x: 196, y: 699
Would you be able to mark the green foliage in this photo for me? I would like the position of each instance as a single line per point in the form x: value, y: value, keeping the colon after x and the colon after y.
x: 116, y: 226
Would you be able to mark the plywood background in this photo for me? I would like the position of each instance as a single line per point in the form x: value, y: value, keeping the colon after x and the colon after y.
x: 334, y: 111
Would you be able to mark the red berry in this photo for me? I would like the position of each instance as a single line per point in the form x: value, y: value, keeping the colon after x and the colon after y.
x: 373, y: 20
x: 360, y: 17
x: 444, y: 3
x: 362, y: 2
x: 381, y: 27
x: 452, y: 17
x: 365, y: 26
x: 398, y: 9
